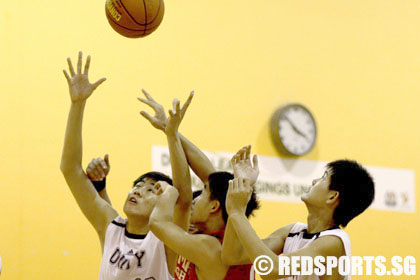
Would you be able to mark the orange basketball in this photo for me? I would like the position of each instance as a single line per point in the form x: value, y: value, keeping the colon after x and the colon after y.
x: 134, y: 18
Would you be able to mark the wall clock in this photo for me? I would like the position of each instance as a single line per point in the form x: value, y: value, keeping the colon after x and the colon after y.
x: 293, y: 129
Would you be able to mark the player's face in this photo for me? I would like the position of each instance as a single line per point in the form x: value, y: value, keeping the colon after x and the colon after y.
x: 319, y: 191
x: 201, y: 208
x: 142, y: 198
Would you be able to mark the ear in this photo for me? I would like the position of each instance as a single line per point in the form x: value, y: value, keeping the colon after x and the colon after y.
x: 333, y: 197
x: 214, y: 206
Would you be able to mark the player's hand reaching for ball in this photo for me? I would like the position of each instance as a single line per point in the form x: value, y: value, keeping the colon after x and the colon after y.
x: 242, y: 166
x: 98, y: 168
x: 238, y: 196
x: 176, y: 115
x: 159, y: 120
x: 79, y: 85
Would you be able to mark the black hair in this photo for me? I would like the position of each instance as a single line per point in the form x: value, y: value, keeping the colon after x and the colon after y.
x: 157, y: 176
x: 218, y: 187
x: 355, y: 187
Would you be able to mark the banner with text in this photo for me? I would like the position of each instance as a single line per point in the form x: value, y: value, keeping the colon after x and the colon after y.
x: 285, y: 179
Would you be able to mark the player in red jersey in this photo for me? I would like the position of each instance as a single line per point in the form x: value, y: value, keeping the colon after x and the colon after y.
x: 199, y: 253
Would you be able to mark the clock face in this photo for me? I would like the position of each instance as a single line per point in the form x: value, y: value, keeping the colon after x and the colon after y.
x: 294, y: 129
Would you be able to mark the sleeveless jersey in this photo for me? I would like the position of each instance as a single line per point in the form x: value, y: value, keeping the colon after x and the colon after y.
x: 132, y: 257
x: 185, y: 270
x: 299, y: 238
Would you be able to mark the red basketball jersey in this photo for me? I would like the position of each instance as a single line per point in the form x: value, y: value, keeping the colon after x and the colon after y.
x: 185, y: 270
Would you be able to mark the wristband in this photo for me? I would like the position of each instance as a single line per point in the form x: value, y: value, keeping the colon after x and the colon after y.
x: 99, y: 185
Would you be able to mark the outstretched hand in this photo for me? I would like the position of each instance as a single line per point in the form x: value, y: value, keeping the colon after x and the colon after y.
x: 177, y: 114
x: 238, y: 195
x: 159, y: 120
x: 242, y: 166
x: 79, y: 85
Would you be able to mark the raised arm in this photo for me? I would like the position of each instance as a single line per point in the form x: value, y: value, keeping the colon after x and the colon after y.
x: 201, y: 249
x: 237, y: 199
x: 232, y: 250
x: 233, y: 253
x: 180, y: 171
x: 97, y: 211
x: 197, y: 160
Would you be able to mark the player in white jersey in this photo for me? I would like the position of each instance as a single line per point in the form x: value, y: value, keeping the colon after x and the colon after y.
x: 344, y: 191
x: 299, y: 238
x: 130, y: 250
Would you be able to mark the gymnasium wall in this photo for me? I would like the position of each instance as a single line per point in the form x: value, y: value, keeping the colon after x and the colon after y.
x: 354, y: 64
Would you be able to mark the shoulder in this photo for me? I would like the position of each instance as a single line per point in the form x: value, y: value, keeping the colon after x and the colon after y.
x: 336, y: 232
x: 329, y: 245
x: 339, y: 236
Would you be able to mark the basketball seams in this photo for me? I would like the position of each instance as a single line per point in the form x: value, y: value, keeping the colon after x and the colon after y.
x: 130, y: 29
x: 145, y: 16
x: 144, y: 4
x: 128, y: 13
x: 129, y: 25
x: 157, y: 13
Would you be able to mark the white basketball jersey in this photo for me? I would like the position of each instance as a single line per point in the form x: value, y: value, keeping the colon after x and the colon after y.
x: 132, y: 257
x: 298, y: 238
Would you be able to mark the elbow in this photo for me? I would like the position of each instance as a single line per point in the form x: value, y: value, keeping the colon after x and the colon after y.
x: 64, y: 167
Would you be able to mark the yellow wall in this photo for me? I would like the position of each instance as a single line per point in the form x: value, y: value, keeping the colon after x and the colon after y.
x: 355, y: 64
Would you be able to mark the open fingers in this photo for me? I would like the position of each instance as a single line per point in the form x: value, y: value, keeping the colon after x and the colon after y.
x: 247, y: 152
x: 86, y: 71
x: 178, y: 108
x: 171, y: 113
x: 146, y: 116
x: 187, y: 103
x: 98, y: 82
x: 147, y: 102
x: 175, y: 105
x: 148, y: 96
x: 67, y: 76
x: 79, y: 63
x: 234, y: 159
x: 243, y: 153
x: 70, y: 67
x: 255, y: 162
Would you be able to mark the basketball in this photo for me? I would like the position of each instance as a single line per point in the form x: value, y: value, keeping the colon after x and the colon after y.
x: 134, y: 18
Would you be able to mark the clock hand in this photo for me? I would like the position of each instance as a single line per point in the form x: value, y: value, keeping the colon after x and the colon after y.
x: 295, y: 128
